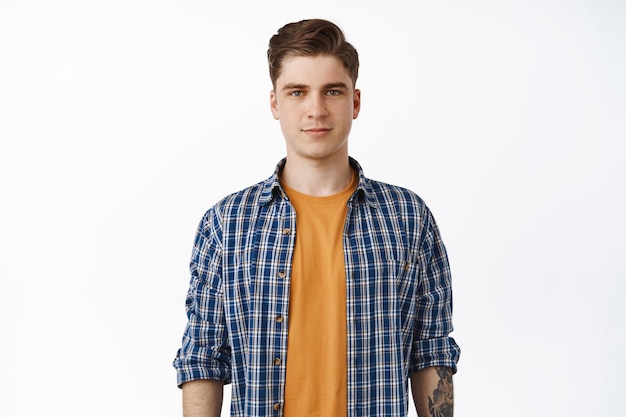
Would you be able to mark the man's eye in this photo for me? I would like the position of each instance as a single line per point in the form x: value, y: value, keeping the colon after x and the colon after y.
x: 296, y: 93
x: 334, y: 92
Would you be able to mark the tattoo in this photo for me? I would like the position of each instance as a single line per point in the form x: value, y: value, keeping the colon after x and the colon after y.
x: 441, y: 404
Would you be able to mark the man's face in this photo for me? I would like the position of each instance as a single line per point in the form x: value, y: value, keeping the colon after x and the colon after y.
x: 315, y: 103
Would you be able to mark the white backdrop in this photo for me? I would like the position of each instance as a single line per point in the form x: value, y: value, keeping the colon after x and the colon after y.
x: 121, y: 122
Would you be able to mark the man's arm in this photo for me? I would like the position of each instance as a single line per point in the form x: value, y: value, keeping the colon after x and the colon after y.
x: 433, y: 392
x: 202, y: 398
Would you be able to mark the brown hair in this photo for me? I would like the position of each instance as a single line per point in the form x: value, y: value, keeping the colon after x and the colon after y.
x: 311, y: 38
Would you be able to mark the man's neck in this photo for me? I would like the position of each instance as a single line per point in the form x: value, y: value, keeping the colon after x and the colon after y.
x: 316, y: 177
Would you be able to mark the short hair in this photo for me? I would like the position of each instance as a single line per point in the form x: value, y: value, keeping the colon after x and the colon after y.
x: 311, y: 37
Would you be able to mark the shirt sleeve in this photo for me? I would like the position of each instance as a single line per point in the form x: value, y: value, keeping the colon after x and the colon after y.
x: 432, y: 345
x: 205, y: 352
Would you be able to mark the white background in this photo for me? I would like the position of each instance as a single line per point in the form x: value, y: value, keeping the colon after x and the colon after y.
x: 121, y: 122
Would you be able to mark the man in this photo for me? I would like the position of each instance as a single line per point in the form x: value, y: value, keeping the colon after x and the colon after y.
x: 318, y: 292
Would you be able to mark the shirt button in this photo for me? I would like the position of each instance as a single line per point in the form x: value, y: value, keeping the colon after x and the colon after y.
x: 286, y: 231
x: 282, y: 274
x: 407, y: 266
x: 279, y: 319
x: 277, y: 406
x: 277, y: 361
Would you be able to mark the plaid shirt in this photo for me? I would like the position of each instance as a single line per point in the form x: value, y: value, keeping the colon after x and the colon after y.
x: 399, y: 298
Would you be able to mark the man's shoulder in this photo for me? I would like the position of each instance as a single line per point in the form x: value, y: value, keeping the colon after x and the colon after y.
x: 237, y: 206
x: 386, y: 194
x: 251, y: 196
x: 401, y: 206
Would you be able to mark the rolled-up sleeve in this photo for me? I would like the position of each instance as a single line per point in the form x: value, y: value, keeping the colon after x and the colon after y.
x: 432, y: 345
x: 205, y: 352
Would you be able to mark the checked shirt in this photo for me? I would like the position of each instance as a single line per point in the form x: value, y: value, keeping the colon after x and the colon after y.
x: 399, y: 297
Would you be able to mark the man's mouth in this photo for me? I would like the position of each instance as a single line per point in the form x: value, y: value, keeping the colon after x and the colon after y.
x: 317, y: 131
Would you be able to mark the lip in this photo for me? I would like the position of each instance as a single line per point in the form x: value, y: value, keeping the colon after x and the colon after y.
x: 317, y: 131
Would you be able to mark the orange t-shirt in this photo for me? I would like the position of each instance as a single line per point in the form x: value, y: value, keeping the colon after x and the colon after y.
x: 316, y: 382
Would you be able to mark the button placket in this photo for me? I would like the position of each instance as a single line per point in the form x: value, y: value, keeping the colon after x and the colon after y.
x: 288, y: 232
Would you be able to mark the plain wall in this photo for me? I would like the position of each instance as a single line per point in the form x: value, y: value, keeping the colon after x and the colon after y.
x: 121, y: 122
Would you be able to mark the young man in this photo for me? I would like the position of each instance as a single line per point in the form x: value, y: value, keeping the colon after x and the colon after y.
x: 318, y: 292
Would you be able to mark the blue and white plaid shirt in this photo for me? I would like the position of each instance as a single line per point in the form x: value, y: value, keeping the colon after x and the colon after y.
x: 399, y: 297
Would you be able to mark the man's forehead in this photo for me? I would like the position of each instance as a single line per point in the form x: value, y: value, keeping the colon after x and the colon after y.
x: 309, y: 71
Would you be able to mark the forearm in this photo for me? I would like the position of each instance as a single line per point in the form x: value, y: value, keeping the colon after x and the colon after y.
x: 202, y: 398
x: 433, y: 392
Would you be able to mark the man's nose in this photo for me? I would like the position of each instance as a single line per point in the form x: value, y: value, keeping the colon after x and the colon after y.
x: 317, y: 106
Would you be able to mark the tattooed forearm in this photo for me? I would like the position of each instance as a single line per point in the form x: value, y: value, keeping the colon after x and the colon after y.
x: 441, y: 403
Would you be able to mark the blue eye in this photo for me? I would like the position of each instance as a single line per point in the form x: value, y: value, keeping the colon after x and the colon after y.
x: 334, y: 92
x: 296, y: 93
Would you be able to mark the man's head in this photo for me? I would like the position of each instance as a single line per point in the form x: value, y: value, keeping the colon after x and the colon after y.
x: 311, y: 38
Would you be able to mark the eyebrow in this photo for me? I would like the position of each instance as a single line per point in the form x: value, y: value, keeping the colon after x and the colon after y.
x: 304, y: 86
x: 294, y: 87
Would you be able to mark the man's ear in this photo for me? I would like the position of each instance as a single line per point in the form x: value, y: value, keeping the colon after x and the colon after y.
x: 274, y: 104
x: 356, y: 103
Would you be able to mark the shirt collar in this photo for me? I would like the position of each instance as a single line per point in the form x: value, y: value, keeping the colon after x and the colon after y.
x: 272, y: 189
